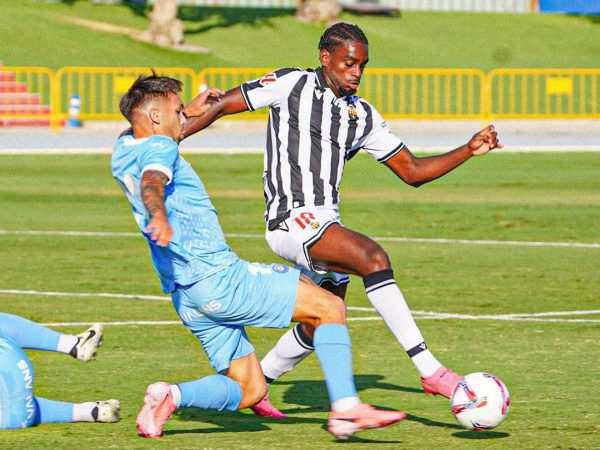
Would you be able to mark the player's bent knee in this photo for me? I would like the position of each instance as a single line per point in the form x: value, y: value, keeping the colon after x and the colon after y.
x: 334, y: 310
x: 377, y: 260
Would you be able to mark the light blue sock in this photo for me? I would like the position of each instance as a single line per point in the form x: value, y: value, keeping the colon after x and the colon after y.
x: 212, y: 392
x: 28, y: 334
x: 51, y: 411
x: 334, y: 350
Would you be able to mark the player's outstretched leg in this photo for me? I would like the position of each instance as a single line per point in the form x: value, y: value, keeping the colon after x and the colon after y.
x: 88, y: 342
x: 348, y: 414
x: 327, y: 313
x: 386, y: 297
x: 53, y: 411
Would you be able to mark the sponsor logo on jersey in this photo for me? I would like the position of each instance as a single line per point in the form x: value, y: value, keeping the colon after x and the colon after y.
x: 197, y: 313
x: 315, y: 225
x: 26, y: 372
x: 268, y: 78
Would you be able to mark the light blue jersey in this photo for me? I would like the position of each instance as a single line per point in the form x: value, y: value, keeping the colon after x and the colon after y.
x: 197, y: 248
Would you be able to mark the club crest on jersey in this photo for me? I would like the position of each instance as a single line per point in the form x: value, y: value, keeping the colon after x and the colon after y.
x: 268, y: 78
x: 352, y: 113
x: 280, y: 268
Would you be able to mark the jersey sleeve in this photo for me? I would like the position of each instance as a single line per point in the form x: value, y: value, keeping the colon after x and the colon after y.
x: 160, y: 153
x: 270, y: 89
x: 380, y: 143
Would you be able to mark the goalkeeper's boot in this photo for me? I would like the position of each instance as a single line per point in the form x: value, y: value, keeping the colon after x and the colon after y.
x: 441, y: 382
x: 265, y: 408
x: 362, y: 417
x: 158, y: 407
x: 87, y: 343
x: 106, y: 411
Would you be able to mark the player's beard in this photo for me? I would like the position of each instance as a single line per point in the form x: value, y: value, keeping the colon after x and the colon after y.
x: 346, y: 92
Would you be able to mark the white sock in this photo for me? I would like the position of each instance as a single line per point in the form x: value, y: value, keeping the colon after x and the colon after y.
x: 346, y: 403
x: 386, y: 297
x: 291, y: 348
x: 82, y: 412
x: 66, y: 342
x: 176, y: 392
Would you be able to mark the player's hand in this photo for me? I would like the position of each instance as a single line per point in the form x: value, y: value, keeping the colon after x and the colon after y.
x: 484, y: 141
x: 159, y: 229
x: 202, y: 102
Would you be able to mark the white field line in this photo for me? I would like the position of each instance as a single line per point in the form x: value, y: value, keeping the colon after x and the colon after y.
x: 261, y: 236
x: 531, y: 317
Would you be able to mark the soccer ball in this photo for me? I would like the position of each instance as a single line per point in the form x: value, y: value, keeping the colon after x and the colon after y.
x: 480, y: 402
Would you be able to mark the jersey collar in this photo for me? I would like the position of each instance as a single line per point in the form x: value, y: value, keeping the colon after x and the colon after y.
x: 321, y: 79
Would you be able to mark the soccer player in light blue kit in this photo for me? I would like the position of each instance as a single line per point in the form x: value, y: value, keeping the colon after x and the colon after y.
x: 19, y: 408
x: 215, y: 292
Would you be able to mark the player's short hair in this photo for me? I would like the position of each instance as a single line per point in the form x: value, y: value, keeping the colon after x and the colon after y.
x: 340, y: 33
x: 145, y: 89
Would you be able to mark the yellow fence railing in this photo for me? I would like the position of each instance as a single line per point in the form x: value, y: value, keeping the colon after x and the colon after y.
x: 37, y: 92
x: 425, y: 93
x: 100, y: 88
x: 229, y: 77
x: 543, y: 93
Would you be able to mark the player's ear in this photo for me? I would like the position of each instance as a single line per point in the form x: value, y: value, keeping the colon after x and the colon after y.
x: 154, y: 116
x: 324, y: 57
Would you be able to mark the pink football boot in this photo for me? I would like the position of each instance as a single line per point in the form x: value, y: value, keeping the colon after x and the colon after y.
x: 441, y: 382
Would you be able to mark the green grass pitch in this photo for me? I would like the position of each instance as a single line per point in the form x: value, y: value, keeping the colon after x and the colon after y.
x: 549, y: 362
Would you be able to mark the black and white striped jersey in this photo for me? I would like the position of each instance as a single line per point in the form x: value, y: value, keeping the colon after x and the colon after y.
x: 311, y: 135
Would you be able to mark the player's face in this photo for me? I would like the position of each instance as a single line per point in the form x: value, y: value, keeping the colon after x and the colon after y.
x: 344, y: 66
x: 173, y: 116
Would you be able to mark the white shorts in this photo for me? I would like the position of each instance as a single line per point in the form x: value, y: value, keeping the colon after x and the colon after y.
x: 294, y: 236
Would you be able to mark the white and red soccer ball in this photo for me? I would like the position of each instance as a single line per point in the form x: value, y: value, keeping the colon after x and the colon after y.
x: 480, y: 402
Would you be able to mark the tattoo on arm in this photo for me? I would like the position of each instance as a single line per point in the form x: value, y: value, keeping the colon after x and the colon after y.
x: 153, y: 191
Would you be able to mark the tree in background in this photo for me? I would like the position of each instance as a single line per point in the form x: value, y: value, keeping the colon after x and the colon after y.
x: 318, y: 11
x: 165, y: 28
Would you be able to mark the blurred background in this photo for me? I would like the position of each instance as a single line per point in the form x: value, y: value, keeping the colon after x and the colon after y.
x: 530, y: 66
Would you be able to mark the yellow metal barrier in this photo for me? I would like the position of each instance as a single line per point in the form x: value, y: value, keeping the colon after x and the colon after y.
x: 396, y: 93
x: 229, y: 77
x: 100, y: 88
x: 26, y: 95
x: 544, y: 93
x: 35, y: 95
x: 425, y: 93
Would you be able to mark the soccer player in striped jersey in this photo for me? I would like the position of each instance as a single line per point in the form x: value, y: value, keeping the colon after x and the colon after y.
x: 19, y: 407
x: 316, y: 125
x: 215, y: 293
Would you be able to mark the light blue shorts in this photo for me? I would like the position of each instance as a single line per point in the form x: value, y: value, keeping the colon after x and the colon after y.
x: 217, y: 308
x: 17, y: 405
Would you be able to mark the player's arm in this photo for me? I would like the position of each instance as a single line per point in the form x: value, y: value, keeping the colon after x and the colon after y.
x: 417, y: 171
x: 230, y: 102
x: 153, y: 196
